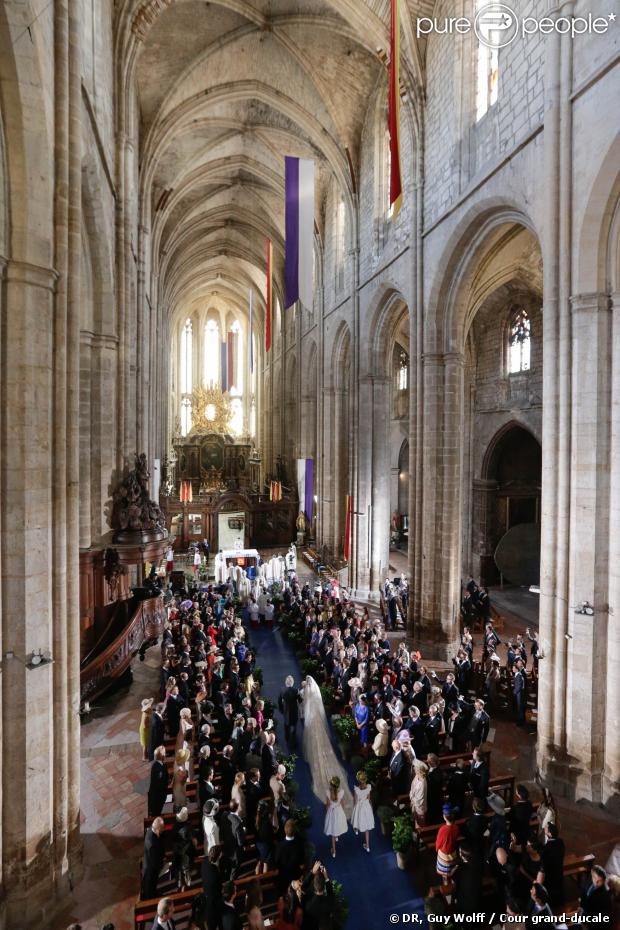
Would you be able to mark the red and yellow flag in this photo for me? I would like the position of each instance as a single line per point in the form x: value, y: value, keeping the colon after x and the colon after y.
x: 269, y: 296
x: 347, y: 530
x: 396, y: 188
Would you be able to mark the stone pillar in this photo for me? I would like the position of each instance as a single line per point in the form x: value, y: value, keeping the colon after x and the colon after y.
x: 611, y: 770
x: 380, y: 494
x: 88, y: 453
x: 556, y: 414
x: 436, y: 631
x: 483, y: 499
x: 40, y: 814
x: 589, y: 542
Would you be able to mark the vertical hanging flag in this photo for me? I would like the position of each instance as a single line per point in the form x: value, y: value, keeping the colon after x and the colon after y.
x: 396, y: 189
x: 305, y: 487
x: 299, y: 227
x: 347, y: 530
x: 269, y: 296
x: 224, y: 366
x: 251, y: 339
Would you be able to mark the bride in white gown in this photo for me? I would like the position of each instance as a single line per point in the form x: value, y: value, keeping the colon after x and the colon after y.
x: 318, y: 750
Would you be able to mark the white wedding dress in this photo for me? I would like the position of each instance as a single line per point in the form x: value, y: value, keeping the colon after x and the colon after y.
x: 318, y: 750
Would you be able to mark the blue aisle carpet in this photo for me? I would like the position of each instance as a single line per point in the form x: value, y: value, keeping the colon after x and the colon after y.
x: 374, y: 886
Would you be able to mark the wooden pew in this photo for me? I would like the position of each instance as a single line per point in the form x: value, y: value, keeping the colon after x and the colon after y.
x: 427, y: 835
x: 145, y: 911
x: 576, y: 869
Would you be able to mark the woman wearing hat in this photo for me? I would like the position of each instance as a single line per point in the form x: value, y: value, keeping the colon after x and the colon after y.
x: 380, y: 745
x: 145, y: 726
x: 335, y: 817
x: 446, y: 846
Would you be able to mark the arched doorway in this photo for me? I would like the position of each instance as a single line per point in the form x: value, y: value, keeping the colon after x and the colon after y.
x: 509, y: 497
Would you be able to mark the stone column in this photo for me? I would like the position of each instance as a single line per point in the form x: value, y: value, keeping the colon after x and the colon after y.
x: 611, y: 771
x: 380, y: 495
x: 436, y: 632
x: 556, y: 418
x: 88, y: 453
x: 39, y: 818
x: 589, y: 542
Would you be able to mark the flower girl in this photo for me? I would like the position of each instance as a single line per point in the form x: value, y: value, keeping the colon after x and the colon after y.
x: 363, y: 819
x: 335, y: 817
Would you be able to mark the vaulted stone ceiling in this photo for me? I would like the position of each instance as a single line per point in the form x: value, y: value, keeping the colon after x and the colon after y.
x: 224, y: 90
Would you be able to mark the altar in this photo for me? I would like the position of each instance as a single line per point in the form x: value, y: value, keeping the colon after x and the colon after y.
x: 212, y: 488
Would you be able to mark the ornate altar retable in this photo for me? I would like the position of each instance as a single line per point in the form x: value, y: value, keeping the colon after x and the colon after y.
x: 212, y: 486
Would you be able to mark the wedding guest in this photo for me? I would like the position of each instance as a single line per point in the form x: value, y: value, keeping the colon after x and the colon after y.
x: 145, y: 726
x: 446, y: 845
x: 418, y: 793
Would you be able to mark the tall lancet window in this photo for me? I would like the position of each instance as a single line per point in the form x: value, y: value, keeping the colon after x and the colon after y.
x: 487, y: 81
x: 186, y: 373
x: 519, y: 343
x: 186, y: 358
x: 237, y: 387
x: 211, y: 356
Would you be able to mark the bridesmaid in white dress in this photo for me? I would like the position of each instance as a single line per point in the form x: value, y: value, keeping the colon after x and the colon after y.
x: 335, y: 817
x: 363, y: 819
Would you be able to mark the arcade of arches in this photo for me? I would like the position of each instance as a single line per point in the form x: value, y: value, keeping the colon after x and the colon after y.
x: 458, y: 373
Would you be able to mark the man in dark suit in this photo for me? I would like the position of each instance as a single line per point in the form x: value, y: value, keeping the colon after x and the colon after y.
x: 212, y: 887
x: 289, y: 856
x: 153, y: 858
x: 596, y: 899
x: 475, y: 828
x: 163, y: 921
x: 551, y: 872
x: 253, y: 794
x: 519, y: 691
x: 399, y: 770
x: 268, y: 761
x: 479, y: 776
x: 520, y: 815
x: 158, y: 787
x: 434, y: 790
x: 228, y: 770
x: 478, y: 727
x: 229, y: 919
x: 288, y: 703
x: 468, y: 881
x: 174, y: 705
x: 232, y: 836
x: 319, y: 900
x: 458, y: 782
x: 433, y: 729
x: 157, y: 732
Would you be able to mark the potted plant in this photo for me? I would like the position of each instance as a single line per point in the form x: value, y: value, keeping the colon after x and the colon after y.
x: 288, y: 761
x: 345, y: 732
x: 385, y: 816
x: 402, y: 839
x: 341, y: 908
x: 303, y: 818
x: 372, y: 768
x: 327, y: 694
